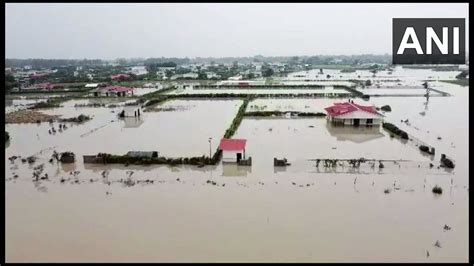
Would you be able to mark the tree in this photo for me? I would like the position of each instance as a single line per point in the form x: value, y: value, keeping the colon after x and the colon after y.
x: 462, y: 75
x: 368, y: 83
x: 267, y: 72
x: 10, y: 83
x: 202, y: 75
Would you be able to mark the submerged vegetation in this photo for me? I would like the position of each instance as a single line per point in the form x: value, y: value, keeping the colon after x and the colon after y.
x: 126, y: 159
x: 79, y: 119
x: 437, y: 190
x: 237, y: 119
x: 395, y: 130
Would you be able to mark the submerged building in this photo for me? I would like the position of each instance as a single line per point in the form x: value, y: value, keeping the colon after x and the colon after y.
x: 233, y: 150
x: 350, y: 113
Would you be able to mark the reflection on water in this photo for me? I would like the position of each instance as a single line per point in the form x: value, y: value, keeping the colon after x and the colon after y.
x: 69, y: 167
x: 132, y: 122
x: 359, y: 134
x: 233, y: 169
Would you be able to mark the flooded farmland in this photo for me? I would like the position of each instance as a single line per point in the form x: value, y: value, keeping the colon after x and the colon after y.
x: 299, y: 212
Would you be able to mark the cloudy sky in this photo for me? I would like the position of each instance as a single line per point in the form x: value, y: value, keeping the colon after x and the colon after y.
x: 109, y: 31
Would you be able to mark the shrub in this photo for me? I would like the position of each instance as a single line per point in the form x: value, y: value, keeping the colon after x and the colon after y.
x: 437, y: 190
x: 445, y: 162
x: 424, y: 148
x: 395, y: 130
x: 7, y: 136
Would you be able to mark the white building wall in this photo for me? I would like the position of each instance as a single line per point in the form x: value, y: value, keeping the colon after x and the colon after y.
x: 231, y: 156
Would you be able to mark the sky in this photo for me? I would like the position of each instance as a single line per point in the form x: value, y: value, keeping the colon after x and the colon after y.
x: 109, y: 31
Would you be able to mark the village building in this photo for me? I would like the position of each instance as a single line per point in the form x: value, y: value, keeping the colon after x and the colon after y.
x: 118, y: 91
x: 139, y: 70
x: 92, y: 85
x: 350, y: 113
x: 233, y: 150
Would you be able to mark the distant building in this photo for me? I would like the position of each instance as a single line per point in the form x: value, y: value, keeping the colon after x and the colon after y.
x: 238, y: 77
x: 350, y: 113
x: 241, y: 83
x: 92, y: 85
x: 185, y: 76
x: 120, y: 76
x: 212, y: 75
x: 118, y: 91
x: 139, y: 70
x: 191, y: 75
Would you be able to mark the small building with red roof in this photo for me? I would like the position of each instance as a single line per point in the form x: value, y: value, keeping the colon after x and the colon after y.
x: 350, y: 113
x: 233, y: 150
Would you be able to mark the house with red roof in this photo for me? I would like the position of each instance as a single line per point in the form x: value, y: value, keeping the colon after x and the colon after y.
x: 350, y: 113
x: 233, y: 150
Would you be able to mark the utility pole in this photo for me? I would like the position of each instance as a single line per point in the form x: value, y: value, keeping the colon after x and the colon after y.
x: 210, y: 149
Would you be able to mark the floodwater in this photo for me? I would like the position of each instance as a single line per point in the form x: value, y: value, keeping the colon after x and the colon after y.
x: 404, y: 75
x: 12, y: 105
x: 172, y: 134
x: 325, y: 90
x: 259, y: 213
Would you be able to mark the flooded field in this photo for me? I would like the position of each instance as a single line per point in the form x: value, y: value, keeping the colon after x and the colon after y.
x: 293, y: 104
x: 330, y: 90
x: 153, y: 131
x: 12, y: 105
x: 395, y: 91
x: 257, y: 213
x: 402, y: 75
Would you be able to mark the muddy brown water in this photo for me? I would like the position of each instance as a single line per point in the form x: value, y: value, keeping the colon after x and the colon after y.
x: 262, y: 213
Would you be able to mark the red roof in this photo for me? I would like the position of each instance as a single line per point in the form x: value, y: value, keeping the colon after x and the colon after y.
x: 45, y: 86
x: 117, y: 89
x: 232, y: 144
x: 120, y: 76
x: 348, y: 107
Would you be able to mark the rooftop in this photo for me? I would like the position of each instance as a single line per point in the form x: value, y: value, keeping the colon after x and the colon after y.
x: 339, y: 109
x: 232, y: 144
